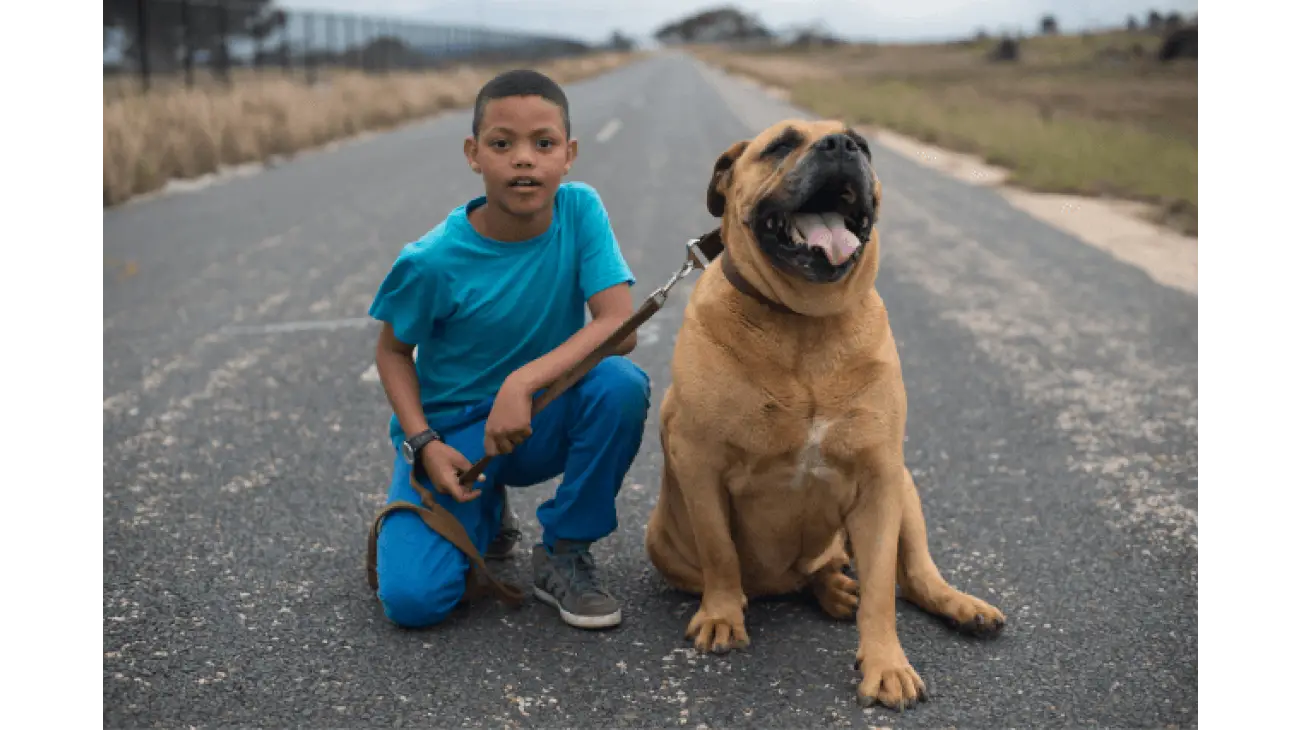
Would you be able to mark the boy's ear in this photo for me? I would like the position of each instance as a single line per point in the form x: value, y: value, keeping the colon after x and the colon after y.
x: 471, y: 151
x: 572, y: 155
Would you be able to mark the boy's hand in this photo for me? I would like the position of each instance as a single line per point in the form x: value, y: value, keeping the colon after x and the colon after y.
x: 444, y: 465
x: 510, y: 421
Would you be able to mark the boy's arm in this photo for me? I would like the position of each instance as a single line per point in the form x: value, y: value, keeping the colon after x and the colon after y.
x: 396, y: 369
x: 609, y: 307
x: 442, y: 463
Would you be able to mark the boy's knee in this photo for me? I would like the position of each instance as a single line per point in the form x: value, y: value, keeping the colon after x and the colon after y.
x: 619, y: 385
x: 415, y: 601
x: 421, y: 575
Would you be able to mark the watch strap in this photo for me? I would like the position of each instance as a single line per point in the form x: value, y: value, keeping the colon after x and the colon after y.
x: 422, y: 439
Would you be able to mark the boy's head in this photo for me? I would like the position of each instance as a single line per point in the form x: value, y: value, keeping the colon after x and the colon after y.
x: 520, y: 141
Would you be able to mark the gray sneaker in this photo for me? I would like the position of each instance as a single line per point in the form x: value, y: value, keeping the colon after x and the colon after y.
x: 507, y: 533
x: 566, y: 580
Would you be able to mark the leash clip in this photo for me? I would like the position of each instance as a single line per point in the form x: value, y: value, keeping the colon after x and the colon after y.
x: 694, y: 256
x: 694, y: 260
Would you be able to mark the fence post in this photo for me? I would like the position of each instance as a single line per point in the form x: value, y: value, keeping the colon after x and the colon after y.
x: 285, y: 61
x: 142, y: 40
x: 223, y: 40
x: 350, y: 59
x: 308, y: 63
x: 188, y: 38
x: 404, y: 50
x: 367, y: 30
x: 258, y: 51
x: 329, y: 40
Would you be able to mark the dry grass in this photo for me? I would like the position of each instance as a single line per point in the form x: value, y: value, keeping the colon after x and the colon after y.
x: 177, y: 133
x: 1076, y: 114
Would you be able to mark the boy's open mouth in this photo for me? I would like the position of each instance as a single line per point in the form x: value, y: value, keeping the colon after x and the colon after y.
x: 524, y: 182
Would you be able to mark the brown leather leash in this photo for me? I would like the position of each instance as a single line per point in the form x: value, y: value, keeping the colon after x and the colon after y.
x: 700, y: 252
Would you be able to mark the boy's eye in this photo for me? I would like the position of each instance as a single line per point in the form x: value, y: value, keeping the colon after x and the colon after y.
x: 498, y: 143
x: 544, y: 143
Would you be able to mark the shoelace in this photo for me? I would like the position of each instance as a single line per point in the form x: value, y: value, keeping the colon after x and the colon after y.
x: 580, y: 568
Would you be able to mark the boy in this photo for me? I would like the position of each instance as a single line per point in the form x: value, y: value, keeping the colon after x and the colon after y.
x: 493, y: 297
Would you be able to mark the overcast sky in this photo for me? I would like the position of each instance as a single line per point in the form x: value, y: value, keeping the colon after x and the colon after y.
x: 886, y: 20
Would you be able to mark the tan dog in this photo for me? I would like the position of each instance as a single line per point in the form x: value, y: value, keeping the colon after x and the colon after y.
x: 783, y: 427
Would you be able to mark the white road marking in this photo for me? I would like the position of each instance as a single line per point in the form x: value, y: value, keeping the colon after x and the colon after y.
x: 371, y: 373
x: 272, y: 302
x: 609, y: 130
x: 303, y: 326
x: 648, y: 334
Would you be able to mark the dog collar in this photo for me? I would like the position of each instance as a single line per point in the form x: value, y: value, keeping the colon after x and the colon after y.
x: 744, y: 287
x: 711, y: 248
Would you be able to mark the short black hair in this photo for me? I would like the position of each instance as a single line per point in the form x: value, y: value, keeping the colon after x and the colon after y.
x: 520, y: 82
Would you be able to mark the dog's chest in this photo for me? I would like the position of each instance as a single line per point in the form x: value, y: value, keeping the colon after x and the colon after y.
x: 804, y: 460
x: 810, y: 463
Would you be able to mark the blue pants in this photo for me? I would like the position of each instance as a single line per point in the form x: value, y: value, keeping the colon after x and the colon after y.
x: 591, y: 434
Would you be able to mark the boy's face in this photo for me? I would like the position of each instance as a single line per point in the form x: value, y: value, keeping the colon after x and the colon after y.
x: 522, y: 153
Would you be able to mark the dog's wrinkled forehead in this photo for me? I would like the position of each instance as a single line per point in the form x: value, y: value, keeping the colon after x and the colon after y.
x: 789, y: 140
x: 776, y: 151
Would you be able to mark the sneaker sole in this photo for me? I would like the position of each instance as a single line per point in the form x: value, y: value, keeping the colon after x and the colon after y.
x: 573, y: 619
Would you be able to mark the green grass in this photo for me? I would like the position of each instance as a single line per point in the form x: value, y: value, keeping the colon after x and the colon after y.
x: 1051, y: 153
x: 1082, y: 115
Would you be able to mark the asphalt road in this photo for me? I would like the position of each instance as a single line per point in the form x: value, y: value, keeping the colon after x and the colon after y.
x: 1052, y: 431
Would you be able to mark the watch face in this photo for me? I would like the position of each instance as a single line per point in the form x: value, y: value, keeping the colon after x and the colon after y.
x: 408, y: 453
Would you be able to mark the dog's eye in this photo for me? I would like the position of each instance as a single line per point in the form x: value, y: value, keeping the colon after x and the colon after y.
x: 780, y: 148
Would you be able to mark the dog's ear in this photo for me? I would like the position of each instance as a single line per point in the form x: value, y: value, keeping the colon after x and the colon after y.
x: 716, y: 200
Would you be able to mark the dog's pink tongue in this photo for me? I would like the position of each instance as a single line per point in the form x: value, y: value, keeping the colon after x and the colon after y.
x: 827, y: 232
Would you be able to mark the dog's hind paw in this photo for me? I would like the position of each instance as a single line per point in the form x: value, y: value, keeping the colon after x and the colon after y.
x: 837, y: 594
x: 718, y: 629
x: 971, y: 615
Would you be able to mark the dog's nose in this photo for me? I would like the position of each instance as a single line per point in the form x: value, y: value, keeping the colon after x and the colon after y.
x: 837, y: 144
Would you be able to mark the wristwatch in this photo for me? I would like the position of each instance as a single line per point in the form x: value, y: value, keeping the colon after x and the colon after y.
x: 411, y: 447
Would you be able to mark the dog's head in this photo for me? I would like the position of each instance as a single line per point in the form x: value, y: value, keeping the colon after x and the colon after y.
x: 799, y: 204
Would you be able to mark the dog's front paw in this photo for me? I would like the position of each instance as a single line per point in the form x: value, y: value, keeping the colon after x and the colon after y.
x: 718, y: 626
x: 889, y: 680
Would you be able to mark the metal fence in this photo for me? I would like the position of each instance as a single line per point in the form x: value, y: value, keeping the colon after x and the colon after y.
x: 182, y: 39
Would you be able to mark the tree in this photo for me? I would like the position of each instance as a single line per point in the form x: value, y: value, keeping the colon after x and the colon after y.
x: 1006, y: 50
x: 169, y: 23
x: 619, y: 42
x: 713, y: 25
x: 1180, y: 43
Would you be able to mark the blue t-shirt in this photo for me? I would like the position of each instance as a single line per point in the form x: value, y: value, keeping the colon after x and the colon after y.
x: 478, y: 309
